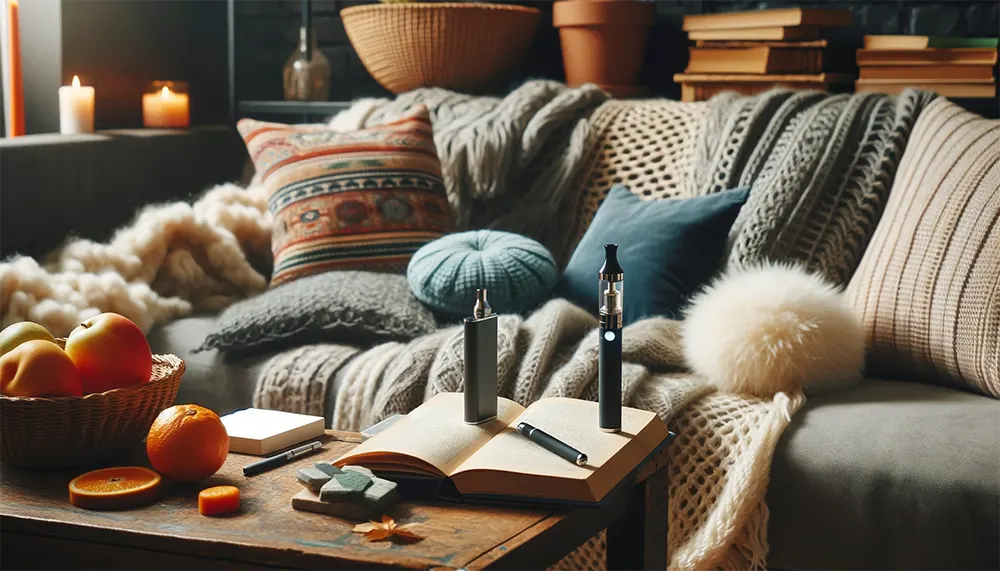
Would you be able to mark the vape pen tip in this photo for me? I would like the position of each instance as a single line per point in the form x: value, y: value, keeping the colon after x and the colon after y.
x: 611, y: 270
x: 482, y: 308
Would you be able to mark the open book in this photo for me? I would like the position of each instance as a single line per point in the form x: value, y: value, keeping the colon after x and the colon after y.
x: 493, y: 459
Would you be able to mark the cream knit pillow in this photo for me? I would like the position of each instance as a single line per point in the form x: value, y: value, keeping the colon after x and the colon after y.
x: 928, y: 287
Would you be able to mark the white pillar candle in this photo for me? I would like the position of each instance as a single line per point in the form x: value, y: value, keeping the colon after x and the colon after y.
x: 76, y: 108
x: 165, y: 108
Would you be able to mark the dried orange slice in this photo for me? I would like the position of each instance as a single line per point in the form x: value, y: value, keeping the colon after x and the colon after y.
x: 219, y: 500
x: 114, y: 488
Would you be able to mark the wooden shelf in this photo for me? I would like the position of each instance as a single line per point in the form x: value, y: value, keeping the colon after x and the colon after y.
x: 311, y: 108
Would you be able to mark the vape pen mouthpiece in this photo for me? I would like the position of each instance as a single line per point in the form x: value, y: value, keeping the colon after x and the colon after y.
x: 611, y: 270
x: 482, y: 308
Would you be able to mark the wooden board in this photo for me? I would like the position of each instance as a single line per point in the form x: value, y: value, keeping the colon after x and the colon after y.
x: 36, y: 515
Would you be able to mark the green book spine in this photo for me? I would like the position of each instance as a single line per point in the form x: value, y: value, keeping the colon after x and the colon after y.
x: 946, y: 42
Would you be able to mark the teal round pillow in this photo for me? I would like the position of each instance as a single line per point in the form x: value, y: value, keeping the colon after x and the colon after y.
x: 517, y: 271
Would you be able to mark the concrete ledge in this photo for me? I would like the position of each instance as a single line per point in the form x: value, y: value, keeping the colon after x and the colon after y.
x: 53, y: 186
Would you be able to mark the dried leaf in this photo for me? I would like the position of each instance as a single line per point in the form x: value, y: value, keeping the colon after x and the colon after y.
x: 378, y: 534
x: 385, y: 529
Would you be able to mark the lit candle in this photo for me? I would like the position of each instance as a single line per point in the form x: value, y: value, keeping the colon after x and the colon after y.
x: 165, y: 108
x: 15, y: 119
x: 76, y: 108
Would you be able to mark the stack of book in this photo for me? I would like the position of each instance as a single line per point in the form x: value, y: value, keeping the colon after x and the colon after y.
x: 951, y: 67
x: 751, y: 52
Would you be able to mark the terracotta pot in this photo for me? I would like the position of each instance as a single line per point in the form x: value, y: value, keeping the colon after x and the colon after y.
x: 603, y: 41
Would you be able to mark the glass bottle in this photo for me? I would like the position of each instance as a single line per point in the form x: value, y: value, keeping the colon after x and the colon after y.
x: 307, y: 71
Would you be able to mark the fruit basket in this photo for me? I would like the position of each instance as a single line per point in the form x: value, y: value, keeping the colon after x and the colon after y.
x: 465, y: 47
x: 80, y: 431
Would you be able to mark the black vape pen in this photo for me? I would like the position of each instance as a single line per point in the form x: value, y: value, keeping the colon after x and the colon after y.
x: 609, y: 360
x: 552, y: 444
x: 480, y: 362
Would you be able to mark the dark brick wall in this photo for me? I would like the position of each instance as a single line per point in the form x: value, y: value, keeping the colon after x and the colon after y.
x: 267, y: 33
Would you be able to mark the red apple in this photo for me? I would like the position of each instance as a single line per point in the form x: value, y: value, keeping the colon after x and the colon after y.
x: 110, y: 352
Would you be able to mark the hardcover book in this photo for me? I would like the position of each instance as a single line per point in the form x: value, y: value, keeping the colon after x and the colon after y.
x: 766, y: 18
x: 493, y: 460
x: 759, y: 60
x: 972, y: 90
x: 923, y: 42
x: 957, y: 56
x: 773, y: 33
x: 929, y: 73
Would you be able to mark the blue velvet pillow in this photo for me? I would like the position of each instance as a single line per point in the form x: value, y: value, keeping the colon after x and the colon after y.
x: 668, y: 249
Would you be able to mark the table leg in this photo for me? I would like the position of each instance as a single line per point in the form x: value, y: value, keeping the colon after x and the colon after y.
x: 638, y: 538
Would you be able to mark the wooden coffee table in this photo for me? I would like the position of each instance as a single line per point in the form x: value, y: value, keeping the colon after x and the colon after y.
x: 39, y: 528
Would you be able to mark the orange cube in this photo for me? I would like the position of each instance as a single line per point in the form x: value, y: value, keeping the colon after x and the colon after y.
x: 219, y: 500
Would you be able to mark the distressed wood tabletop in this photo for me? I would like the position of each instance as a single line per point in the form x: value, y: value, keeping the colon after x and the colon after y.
x: 38, y: 522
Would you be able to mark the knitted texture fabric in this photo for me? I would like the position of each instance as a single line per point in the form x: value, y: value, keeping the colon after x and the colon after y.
x: 928, y: 288
x: 720, y: 460
x: 819, y: 167
x: 172, y: 260
x: 299, y: 380
x: 509, y: 163
x: 352, y: 307
x: 518, y: 272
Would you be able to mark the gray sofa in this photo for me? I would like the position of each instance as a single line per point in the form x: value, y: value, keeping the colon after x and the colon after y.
x: 889, y: 474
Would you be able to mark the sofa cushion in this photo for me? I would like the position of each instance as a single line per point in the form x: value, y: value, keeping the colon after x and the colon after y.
x: 517, y: 271
x: 360, y: 200
x: 888, y: 475
x: 212, y: 379
x: 668, y: 249
x: 352, y: 307
x: 928, y: 286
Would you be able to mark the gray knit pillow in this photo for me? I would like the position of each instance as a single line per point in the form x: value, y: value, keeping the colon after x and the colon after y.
x: 350, y: 307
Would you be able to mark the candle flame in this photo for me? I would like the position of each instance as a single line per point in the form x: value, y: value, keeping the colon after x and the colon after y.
x: 76, y: 81
x: 165, y: 92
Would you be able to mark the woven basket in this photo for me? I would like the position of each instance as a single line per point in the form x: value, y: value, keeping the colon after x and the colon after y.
x: 80, y: 431
x: 465, y: 47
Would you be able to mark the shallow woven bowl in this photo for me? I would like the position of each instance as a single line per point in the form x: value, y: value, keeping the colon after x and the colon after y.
x: 80, y: 431
x: 464, y: 47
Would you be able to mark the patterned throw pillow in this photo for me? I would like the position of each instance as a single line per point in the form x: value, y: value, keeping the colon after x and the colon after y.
x: 361, y: 200
x: 928, y: 287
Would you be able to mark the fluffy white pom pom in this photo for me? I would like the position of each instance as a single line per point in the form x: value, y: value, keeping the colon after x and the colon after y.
x: 773, y: 329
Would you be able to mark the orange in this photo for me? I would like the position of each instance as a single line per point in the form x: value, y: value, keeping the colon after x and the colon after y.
x: 187, y: 443
x: 219, y: 500
x: 114, y: 488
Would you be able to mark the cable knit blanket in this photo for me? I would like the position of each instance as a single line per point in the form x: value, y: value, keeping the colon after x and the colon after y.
x: 720, y: 463
x: 819, y: 167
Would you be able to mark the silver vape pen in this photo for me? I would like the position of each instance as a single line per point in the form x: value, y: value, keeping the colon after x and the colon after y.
x: 609, y: 358
x: 480, y: 362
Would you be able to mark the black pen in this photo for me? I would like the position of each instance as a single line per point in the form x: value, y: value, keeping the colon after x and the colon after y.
x: 552, y: 444
x: 280, y: 459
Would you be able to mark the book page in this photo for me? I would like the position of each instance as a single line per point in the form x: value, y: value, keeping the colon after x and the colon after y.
x: 435, y: 433
x: 501, y: 462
